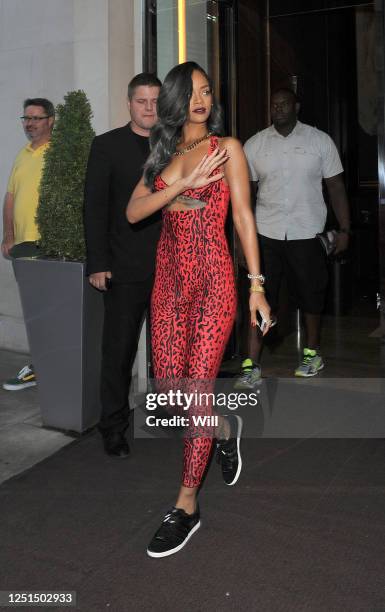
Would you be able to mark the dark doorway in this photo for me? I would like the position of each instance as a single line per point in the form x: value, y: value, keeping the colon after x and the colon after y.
x: 325, y: 51
x: 331, y: 52
x: 328, y: 56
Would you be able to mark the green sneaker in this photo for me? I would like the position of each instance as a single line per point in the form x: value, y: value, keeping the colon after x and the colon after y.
x: 24, y: 379
x: 251, y: 375
x: 311, y: 364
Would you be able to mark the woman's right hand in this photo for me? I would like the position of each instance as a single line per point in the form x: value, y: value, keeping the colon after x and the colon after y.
x: 201, y: 175
x: 144, y: 202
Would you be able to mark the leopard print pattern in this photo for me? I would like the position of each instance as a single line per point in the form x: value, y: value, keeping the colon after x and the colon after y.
x: 193, y: 305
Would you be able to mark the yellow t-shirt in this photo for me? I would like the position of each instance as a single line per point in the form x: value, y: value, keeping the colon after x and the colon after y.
x: 24, y: 184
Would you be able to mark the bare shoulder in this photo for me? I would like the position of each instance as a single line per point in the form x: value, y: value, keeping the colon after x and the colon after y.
x: 230, y: 143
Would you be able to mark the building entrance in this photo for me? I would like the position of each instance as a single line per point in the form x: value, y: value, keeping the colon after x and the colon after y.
x: 325, y: 51
x: 331, y: 52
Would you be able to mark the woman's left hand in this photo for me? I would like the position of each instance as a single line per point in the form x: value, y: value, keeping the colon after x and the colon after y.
x: 257, y: 302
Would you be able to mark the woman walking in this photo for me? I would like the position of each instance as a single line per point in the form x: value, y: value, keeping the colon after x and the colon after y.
x: 191, y: 175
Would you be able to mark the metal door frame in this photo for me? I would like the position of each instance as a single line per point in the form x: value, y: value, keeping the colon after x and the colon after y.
x: 380, y: 63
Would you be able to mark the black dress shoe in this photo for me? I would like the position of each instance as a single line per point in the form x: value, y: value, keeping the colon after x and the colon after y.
x: 115, y: 445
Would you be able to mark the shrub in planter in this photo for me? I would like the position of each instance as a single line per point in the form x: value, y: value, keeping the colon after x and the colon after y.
x: 60, y: 210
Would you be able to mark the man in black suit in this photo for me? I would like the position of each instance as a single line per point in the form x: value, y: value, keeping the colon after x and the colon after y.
x: 120, y: 256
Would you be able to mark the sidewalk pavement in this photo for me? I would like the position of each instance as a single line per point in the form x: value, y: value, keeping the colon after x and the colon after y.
x: 23, y: 440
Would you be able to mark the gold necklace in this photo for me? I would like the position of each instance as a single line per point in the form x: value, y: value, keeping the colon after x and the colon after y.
x: 193, y: 144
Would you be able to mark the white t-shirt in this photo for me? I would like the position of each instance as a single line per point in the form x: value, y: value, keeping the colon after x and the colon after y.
x: 290, y: 170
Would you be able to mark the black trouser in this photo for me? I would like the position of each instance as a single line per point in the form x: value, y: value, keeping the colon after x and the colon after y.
x: 124, y: 308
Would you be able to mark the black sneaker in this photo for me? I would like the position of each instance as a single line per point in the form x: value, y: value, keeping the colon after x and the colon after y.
x: 115, y: 445
x: 228, y: 451
x: 175, y: 531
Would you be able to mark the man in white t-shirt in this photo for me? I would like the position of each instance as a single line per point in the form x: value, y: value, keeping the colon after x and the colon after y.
x: 289, y: 161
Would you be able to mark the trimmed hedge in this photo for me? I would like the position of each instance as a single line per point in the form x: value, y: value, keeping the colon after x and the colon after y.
x: 60, y: 210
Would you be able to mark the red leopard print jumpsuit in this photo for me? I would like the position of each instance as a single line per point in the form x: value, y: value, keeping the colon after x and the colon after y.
x: 193, y: 303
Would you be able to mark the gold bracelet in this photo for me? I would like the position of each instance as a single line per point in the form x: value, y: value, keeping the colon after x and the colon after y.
x: 257, y: 289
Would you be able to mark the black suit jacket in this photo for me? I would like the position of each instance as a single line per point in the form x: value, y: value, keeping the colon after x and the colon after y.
x: 115, y: 166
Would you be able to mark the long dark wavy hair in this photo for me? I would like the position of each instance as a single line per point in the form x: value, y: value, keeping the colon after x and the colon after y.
x: 173, y: 108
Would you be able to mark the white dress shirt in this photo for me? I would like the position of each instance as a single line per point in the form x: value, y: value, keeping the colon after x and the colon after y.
x: 290, y: 170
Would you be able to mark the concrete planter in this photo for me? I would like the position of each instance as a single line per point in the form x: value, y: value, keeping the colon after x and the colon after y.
x: 64, y: 317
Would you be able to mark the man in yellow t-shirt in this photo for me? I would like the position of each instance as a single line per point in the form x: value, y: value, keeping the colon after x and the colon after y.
x: 20, y: 232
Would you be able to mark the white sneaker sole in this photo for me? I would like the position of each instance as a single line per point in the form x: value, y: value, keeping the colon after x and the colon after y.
x: 298, y: 375
x: 246, y: 386
x: 172, y: 551
x: 20, y: 387
x: 239, y: 433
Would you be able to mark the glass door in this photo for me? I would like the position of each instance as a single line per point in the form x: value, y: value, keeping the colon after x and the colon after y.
x: 194, y: 30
